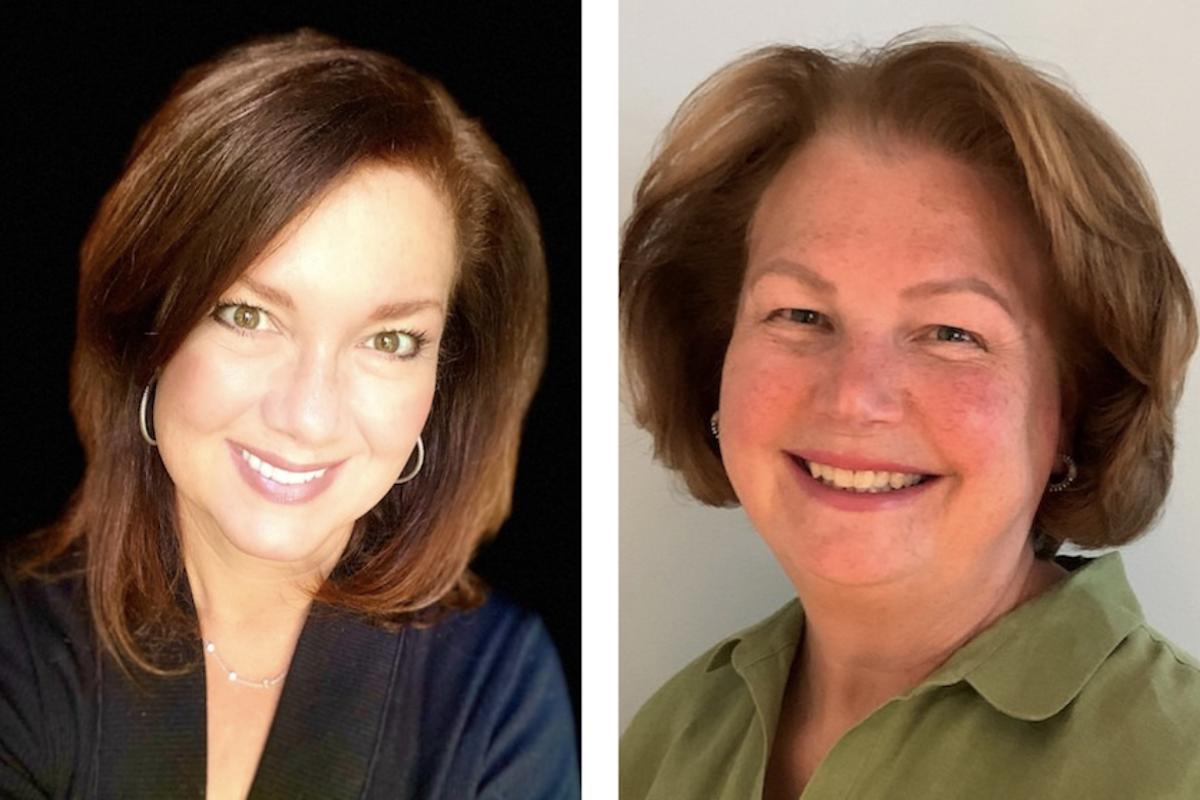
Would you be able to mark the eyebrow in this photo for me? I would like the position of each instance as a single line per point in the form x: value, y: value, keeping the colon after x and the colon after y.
x: 977, y: 286
x: 794, y: 269
x: 930, y: 288
x: 404, y: 308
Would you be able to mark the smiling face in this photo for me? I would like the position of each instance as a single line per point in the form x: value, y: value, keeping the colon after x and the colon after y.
x: 290, y: 411
x: 890, y: 400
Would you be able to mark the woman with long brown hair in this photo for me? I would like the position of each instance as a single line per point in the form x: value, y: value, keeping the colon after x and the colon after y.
x: 311, y: 319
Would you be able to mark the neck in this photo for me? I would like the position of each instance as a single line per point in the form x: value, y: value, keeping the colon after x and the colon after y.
x: 863, y: 646
x: 233, y: 587
x: 232, y: 590
x: 253, y: 609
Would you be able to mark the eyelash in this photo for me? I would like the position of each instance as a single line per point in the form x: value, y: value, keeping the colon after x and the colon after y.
x: 790, y: 314
x: 808, y: 317
x: 419, y: 342
x: 419, y: 339
x: 224, y: 305
x: 953, y: 330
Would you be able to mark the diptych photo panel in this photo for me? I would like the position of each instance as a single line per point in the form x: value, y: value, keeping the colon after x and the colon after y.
x: 906, y: 305
x: 317, y: 320
x: 293, y: 390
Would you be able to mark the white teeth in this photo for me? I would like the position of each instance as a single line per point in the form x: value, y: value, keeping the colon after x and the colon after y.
x: 279, y: 474
x: 871, y: 481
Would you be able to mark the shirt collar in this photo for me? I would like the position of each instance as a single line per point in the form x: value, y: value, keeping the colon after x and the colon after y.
x: 778, y: 632
x: 1028, y: 665
x: 1037, y: 658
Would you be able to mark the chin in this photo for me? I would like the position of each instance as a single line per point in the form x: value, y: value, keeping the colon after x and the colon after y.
x: 282, y: 544
x: 845, y: 570
x: 848, y: 555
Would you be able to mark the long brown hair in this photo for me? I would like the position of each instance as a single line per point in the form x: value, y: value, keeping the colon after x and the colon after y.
x: 1126, y: 319
x: 241, y: 146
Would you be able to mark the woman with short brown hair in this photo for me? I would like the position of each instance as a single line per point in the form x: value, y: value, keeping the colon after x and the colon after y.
x: 915, y: 312
x: 311, y: 320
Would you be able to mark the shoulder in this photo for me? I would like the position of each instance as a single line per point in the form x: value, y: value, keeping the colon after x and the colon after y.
x: 1152, y: 687
x: 44, y: 615
x: 494, y: 636
x: 708, y: 713
x: 491, y: 706
x: 1136, y: 672
x: 718, y: 680
x: 708, y: 686
x: 1113, y: 704
x: 1130, y: 730
x: 1131, y: 712
x: 46, y: 674
x: 1159, y: 664
x: 496, y: 655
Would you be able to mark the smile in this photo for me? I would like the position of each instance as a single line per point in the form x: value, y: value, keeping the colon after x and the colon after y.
x: 862, y: 481
x: 279, y: 474
x: 295, y: 483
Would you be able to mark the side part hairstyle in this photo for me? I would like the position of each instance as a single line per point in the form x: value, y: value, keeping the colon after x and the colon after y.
x: 1128, y: 323
x: 241, y: 146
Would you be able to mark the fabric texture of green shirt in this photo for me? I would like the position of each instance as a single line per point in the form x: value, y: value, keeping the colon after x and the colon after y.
x: 1071, y: 695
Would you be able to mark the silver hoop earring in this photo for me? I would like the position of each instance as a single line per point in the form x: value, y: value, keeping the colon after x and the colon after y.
x: 420, y: 463
x: 142, y: 413
x: 1072, y: 472
x: 714, y: 424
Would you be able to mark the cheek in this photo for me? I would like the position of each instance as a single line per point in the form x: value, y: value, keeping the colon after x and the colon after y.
x: 198, y: 392
x: 994, y: 415
x: 972, y: 401
x: 759, y: 392
x: 391, y: 416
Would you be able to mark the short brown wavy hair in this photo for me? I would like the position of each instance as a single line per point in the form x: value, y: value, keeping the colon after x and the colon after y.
x: 242, y: 145
x: 1128, y: 323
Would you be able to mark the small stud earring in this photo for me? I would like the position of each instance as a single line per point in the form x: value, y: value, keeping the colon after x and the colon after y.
x: 1071, y: 472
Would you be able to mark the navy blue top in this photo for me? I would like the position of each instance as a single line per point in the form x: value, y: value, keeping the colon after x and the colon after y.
x: 472, y: 707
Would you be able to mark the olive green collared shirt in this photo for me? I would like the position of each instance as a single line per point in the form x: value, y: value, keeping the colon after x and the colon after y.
x: 1071, y: 695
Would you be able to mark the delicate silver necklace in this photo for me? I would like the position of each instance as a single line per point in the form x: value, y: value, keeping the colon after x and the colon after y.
x: 265, y: 683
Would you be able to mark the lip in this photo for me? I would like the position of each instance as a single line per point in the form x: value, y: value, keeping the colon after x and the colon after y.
x: 857, y: 463
x: 274, y: 460
x: 287, y: 494
x: 858, y: 501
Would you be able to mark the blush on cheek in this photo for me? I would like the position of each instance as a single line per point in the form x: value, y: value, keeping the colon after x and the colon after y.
x: 202, y: 393
x: 978, y: 401
x: 995, y: 427
x: 751, y: 396
x: 391, y: 420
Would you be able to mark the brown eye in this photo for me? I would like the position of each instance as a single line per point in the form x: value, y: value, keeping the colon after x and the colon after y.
x: 247, y: 317
x: 394, y: 343
x: 387, y: 342
x: 242, y: 317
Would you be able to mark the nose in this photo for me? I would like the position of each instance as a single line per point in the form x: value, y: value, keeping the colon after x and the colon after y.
x: 306, y: 398
x: 862, y: 385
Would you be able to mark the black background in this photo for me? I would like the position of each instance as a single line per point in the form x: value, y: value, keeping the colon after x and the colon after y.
x: 78, y: 84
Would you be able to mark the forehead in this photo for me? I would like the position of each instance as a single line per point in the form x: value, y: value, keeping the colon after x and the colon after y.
x: 839, y: 203
x: 379, y: 230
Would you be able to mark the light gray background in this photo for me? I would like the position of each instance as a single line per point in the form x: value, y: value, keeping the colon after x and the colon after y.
x: 690, y: 574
